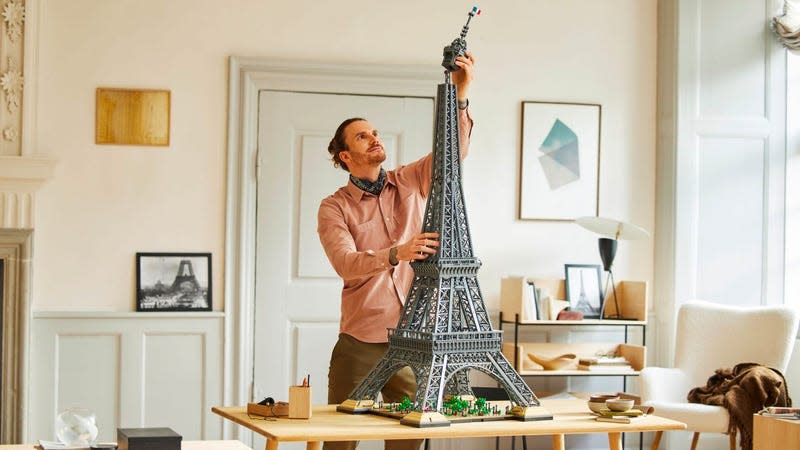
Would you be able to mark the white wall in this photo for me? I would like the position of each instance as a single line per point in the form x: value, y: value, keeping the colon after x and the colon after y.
x: 107, y: 202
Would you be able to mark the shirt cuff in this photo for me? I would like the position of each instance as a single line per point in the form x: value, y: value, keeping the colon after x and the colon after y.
x: 381, y: 258
x: 466, y: 118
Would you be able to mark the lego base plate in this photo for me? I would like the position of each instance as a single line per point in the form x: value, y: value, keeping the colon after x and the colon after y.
x: 452, y: 419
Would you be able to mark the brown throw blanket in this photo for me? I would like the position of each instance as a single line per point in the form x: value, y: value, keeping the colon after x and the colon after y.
x: 743, y: 391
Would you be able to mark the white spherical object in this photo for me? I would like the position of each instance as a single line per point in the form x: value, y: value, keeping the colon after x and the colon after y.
x: 76, y: 427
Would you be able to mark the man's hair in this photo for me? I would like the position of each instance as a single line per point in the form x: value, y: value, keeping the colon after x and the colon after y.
x: 338, y: 143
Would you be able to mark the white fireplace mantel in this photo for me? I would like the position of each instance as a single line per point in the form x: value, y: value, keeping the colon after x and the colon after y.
x: 20, y: 178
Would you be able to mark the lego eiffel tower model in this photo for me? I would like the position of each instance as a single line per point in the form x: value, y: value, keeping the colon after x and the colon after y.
x: 444, y: 329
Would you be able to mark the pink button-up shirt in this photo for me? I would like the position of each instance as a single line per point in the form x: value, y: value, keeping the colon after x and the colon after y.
x: 357, y: 229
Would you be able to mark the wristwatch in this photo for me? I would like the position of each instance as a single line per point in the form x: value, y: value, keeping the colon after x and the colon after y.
x: 393, y: 256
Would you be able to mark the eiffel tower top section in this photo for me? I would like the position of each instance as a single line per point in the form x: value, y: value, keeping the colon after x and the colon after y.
x: 445, y: 212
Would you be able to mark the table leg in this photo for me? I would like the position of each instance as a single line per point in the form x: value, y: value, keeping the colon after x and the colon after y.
x: 272, y: 444
x: 313, y: 445
x: 558, y: 442
x: 656, y: 440
x: 615, y: 441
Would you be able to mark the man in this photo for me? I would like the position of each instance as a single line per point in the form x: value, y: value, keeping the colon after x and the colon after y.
x: 370, y: 230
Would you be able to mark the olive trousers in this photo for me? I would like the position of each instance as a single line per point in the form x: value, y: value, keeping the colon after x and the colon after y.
x: 351, y: 361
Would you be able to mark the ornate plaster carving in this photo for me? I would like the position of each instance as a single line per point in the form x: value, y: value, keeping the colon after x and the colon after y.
x: 12, y: 44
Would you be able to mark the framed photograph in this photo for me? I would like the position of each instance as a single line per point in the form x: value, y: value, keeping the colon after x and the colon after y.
x: 173, y: 282
x: 560, y: 161
x: 583, y: 289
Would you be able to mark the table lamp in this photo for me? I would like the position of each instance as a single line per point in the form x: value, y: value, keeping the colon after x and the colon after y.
x: 615, y: 230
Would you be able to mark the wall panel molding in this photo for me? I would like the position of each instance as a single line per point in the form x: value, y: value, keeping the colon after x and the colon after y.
x: 132, y: 369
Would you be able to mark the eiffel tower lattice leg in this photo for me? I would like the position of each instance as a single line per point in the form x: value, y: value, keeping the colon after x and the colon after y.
x: 528, y: 406
x: 459, y: 384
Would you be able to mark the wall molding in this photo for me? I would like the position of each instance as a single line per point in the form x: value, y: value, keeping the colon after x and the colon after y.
x: 15, y: 251
x: 132, y: 369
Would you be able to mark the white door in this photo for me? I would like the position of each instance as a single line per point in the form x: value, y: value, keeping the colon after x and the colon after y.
x: 298, y: 294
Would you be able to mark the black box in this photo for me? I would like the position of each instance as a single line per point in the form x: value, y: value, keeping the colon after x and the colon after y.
x: 148, y: 439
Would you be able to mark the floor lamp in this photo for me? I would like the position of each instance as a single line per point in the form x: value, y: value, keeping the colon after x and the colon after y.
x: 614, y: 230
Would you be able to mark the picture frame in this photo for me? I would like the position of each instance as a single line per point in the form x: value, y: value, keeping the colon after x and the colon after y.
x: 584, y: 289
x: 138, y: 117
x: 559, y: 161
x: 173, y: 282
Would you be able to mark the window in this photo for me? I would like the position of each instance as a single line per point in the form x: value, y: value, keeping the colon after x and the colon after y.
x: 792, y: 267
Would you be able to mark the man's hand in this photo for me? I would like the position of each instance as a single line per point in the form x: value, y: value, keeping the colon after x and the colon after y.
x: 418, y: 247
x: 462, y: 78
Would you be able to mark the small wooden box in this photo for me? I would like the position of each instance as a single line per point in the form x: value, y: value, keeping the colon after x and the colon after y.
x: 299, y: 402
x: 276, y: 410
x: 148, y: 439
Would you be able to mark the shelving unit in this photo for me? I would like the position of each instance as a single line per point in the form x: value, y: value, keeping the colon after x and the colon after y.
x: 632, y: 303
x: 632, y: 300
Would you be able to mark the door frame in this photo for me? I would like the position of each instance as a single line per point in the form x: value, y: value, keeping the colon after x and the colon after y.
x: 246, y: 78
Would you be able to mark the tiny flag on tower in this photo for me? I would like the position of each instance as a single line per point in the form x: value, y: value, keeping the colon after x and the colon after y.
x: 475, y: 11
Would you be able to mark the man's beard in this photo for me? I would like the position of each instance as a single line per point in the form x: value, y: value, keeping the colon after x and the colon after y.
x: 371, y: 158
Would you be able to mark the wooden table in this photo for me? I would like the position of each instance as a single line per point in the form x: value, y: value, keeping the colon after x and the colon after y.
x: 770, y: 433
x: 570, y: 417
x: 185, y: 445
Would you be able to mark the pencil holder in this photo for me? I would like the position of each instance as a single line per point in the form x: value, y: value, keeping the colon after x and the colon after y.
x: 299, y: 402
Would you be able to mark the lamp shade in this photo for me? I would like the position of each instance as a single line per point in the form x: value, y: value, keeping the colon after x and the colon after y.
x: 612, y: 228
x: 608, y: 250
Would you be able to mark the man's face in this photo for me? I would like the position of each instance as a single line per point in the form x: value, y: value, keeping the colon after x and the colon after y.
x: 364, y: 147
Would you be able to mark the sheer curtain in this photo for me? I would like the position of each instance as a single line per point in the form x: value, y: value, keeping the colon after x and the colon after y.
x: 787, y: 25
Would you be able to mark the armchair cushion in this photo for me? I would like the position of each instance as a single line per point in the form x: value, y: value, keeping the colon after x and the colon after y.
x: 703, y: 418
x: 665, y: 390
x: 662, y: 384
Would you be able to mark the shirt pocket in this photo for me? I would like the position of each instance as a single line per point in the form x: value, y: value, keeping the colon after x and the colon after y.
x: 367, y: 235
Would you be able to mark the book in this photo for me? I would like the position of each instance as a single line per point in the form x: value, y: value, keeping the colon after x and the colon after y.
x: 619, y: 419
x: 604, y: 361
x: 633, y: 412
x: 781, y: 412
x: 543, y: 303
x: 601, y: 368
x: 518, y: 294
x: 529, y: 302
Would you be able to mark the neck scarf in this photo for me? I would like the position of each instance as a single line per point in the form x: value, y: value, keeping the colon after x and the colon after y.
x: 373, y: 187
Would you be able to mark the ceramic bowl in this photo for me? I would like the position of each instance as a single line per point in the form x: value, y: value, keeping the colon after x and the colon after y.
x: 596, y: 407
x: 601, y: 398
x: 619, y: 404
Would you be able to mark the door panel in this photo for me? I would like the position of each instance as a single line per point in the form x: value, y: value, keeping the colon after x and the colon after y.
x: 298, y: 294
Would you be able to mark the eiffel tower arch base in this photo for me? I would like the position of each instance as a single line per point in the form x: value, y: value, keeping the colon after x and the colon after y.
x: 441, y: 364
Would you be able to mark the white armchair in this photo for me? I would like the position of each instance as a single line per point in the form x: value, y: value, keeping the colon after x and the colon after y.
x: 710, y: 336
